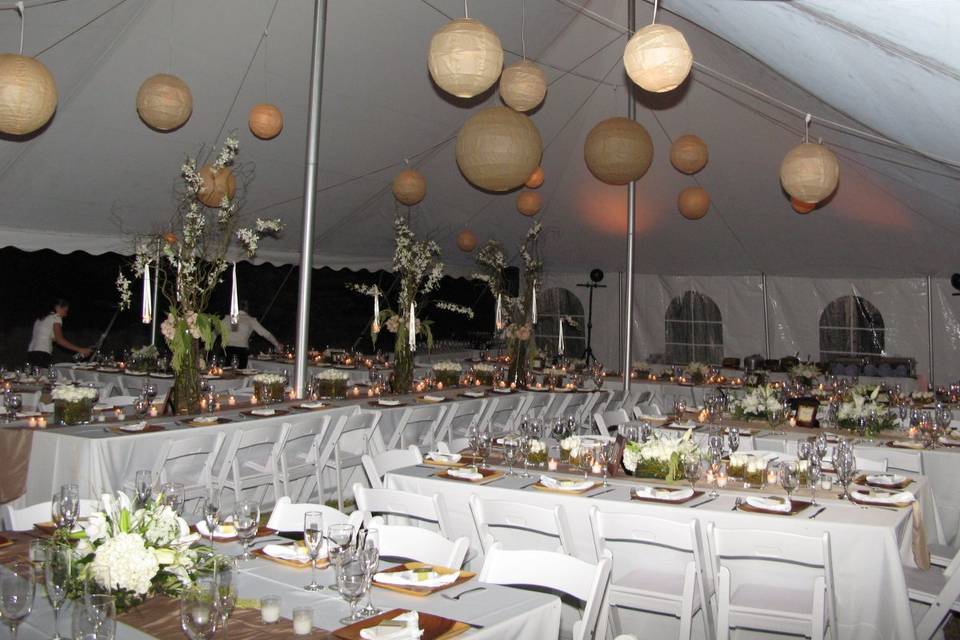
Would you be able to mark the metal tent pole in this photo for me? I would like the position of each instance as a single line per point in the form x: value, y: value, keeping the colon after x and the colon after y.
x: 766, y: 320
x: 631, y: 223
x: 310, y: 197
x: 930, y: 330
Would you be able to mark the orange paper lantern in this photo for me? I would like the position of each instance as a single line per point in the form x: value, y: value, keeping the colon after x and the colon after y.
x: 215, y: 186
x: 535, y: 180
x: 802, y: 207
x: 529, y: 203
x: 657, y: 58
x: 523, y: 85
x: 498, y: 149
x: 266, y: 121
x: 164, y: 102
x: 409, y: 187
x: 467, y: 241
x: 28, y: 94
x: 694, y: 202
x: 465, y: 57
x: 618, y: 151
x: 810, y: 172
x: 688, y: 154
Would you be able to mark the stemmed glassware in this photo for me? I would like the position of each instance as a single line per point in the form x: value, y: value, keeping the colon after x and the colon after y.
x: 351, y: 582
x: 789, y: 476
x: 94, y: 617
x: 18, y: 585
x: 65, y: 506
x: 510, y: 446
x: 692, y: 470
x: 246, y: 520
x: 172, y: 495
x: 149, y: 390
x: 369, y: 551
x: 804, y: 449
x: 57, y: 568
x: 339, y: 541
x: 14, y: 403
x: 226, y: 575
x: 211, y: 511
x: 679, y: 407
x: 525, y: 445
x: 813, y: 479
x: 604, y: 454
x: 588, y: 455
x: 845, y: 466
x: 199, y: 612
x: 820, y: 446
x: 144, y: 486
x: 313, y: 538
x: 733, y: 439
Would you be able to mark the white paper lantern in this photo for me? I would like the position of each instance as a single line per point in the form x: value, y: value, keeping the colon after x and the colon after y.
x: 523, y: 85
x: 28, y: 94
x: 498, y: 149
x: 465, y: 57
x: 658, y: 58
x: 164, y: 102
x: 810, y: 172
x: 618, y: 151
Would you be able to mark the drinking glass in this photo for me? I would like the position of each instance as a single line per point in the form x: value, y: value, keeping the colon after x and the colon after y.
x: 14, y: 404
x: 141, y: 406
x: 149, y: 390
x: 57, y: 567
x: 351, y: 581
x: 789, y: 476
x: 679, y: 407
x: 813, y: 481
x: 144, y: 486
x: 692, y: 470
x: 525, y: 446
x: 94, y: 618
x: 588, y: 455
x: 804, y: 449
x: 211, y: 510
x: 226, y: 576
x: 483, y: 446
x: 370, y: 557
x: 172, y: 495
x: 199, y: 613
x: 820, y: 446
x: 339, y: 539
x: 17, y: 588
x: 313, y: 538
x: 510, y: 446
x: 246, y: 520
x: 733, y: 439
x: 604, y: 453
x: 66, y: 506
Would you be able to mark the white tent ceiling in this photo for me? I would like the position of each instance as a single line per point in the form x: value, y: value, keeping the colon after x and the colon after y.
x: 888, y: 67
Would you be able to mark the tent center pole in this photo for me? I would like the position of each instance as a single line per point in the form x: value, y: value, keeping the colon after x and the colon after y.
x: 310, y: 197
x: 631, y: 224
x: 766, y: 320
x: 930, y: 330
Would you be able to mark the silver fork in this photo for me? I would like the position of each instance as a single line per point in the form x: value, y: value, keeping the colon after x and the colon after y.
x: 737, y: 503
x: 462, y: 593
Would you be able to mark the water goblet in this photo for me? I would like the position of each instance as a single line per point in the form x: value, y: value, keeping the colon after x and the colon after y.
x: 199, y: 613
x: 646, y: 431
x: 789, y: 476
x: 814, y: 474
x: 733, y: 439
x: 588, y: 455
x: 246, y: 520
x: 804, y: 449
x: 370, y: 557
x: 510, y: 446
x: 66, y: 506
x: 692, y: 470
x: 339, y: 541
x: 149, y: 390
x: 144, y: 486
x: 525, y: 445
x: 226, y: 575
x: 18, y: 586
x: 313, y: 538
x: 679, y: 407
x: 57, y: 569
x: 211, y: 510
x: 172, y: 495
x: 14, y: 402
x: 351, y: 582
x: 141, y: 406
x: 820, y: 446
x: 94, y: 617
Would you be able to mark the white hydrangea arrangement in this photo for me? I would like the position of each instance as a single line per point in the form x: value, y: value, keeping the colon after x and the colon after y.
x: 805, y: 373
x: 269, y: 378
x: 758, y: 403
x: 330, y: 383
x: 70, y: 393
x: 860, y: 403
x: 922, y: 397
x: 538, y: 451
x: 485, y: 368
x: 447, y: 372
x: 570, y: 448
x: 697, y: 372
x: 660, y: 457
x: 332, y: 374
x: 447, y: 365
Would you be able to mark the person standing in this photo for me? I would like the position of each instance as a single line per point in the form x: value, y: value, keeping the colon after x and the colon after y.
x: 48, y: 329
x: 237, y: 340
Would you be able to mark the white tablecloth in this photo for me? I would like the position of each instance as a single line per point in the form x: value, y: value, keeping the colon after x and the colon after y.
x: 127, y: 384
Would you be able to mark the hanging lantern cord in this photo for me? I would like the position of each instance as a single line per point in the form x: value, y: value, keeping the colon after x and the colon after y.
x: 806, y: 128
x: 523, y: 28
x: 656, y: 4
x: 466, y: 10
x: 22, y: 20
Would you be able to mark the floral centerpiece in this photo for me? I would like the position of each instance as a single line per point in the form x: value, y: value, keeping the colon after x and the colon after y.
x: 330, y: 383
x: 922, y: 397
x: 136, y: 552
x: 749, y: 467
x: 447, y: 373
x: 269, y: 387
x: 144, y: 358
x: 864, y: 404
x: 72, y: 405
x: 805, y: 373
x: 191, y: 256
x: 538, y: 452
x: 570, y: 449
x: 485, y: 373
x: 758, y: 403
x: 641, y: 369
x: 697, y: 372
x: 659, y: 457
x: 553, y: 377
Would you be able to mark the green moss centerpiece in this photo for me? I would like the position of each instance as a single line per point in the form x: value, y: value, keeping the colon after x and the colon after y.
x: 268, y: 388
x: 73, y: 405
x: 447, y: 373
x: 330, y: 383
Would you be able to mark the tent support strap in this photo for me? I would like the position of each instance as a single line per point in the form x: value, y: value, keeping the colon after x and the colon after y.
x: 156, y: 291
x: 766, y: 320
x: 631, y: 224
x: 310, y: 197
x: 930, y: 330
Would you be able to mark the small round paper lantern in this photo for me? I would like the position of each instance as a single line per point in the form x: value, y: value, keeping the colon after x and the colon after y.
x: 529, y: 203
x: 498, y: 149
x: 523, y: 85
x: 802, y: 207
x: 688, y: 154
x: 28, y: 94
x: 164, y: 102
x: 694, y: 202
x: 535, y: 180
x: 658, y: 58
x: 618, y: 151
x: 409, y: 187
x: 214, y: 187
x: 465, y: 57
x: 467, y: 241
x: 266, y: 121
x: 810, y: 172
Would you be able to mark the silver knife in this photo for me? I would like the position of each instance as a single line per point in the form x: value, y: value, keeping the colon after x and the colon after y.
x: 818, y: 512
x: 700, y: 504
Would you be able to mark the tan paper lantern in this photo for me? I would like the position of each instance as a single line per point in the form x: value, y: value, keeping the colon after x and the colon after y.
x: 535, y: 180
x: 164, y: 102
x: 658, y: 58
x: 465, y: 57
x: 529, y: 203
x: 694, y: 202
x: 618, y: 151
x: 28, y: 94
x: 523, y: 85
x: 810, y: 172
x: 467, y: 241
x: 266, y: 121
x: 409, y: 187
x: 802, y: 207
x: 214, y: 187
x: 498, y: 149
x: 688, y: 154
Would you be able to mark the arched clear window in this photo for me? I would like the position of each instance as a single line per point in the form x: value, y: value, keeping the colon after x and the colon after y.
x: 552, y: 304
x: 850, y: 326
x: 694, y: 329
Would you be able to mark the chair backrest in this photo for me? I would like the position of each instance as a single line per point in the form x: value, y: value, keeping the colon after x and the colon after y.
x: 607, y: 420
x: 421, y: 545
x: 358, y: 433
x: 865, y: 464
x: 23, y: 519
x: 548, y: 569
x: 391, y: 502
x: 614, y: 401
x: 519, y: 525
x: 252, y: 452
x: 640, y: 394
x: 188, y: 458
x: 586, y: 409
x: 379, y: 464
x: 459, y: 419
x: 287, y: 516
x: 455, y: 445
x: 299, y: 446
x: 536, y: 404
x: 502, y: 411
x: 560, y: 406
x: 417, y: 425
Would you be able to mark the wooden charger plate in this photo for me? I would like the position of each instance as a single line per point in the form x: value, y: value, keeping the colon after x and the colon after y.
x: 191, y: 423
x: 49, y: 527
x: 376, y: 403
x: 540, y: 487
x: 489, y: 475
x: 796, y: 506
x: 322, y: 563
x: 300, y: 407
x: 150, y: 428
x: 413, y: 590
x: 5, y: 542
x: 855, y: 497
x: 696, y: 494
x: 433, y: 627
x: 261, y: 531
x: 423, y: 400
x: 862, y: 480
x: 276, y: 412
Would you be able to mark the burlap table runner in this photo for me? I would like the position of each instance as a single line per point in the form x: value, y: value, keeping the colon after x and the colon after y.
x: 15, y: 445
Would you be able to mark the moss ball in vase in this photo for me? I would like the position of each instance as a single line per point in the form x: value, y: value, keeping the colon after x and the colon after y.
x: 268, y: 388
x: 73, y: 405
x: 330, y: 384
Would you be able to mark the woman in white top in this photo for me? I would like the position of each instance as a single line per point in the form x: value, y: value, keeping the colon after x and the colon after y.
x: 47, y: 330
x: 237, y: 340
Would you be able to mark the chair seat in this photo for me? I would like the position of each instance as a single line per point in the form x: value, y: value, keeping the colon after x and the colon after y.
x: 924, y: 586
x: 648, y: 590
x: 784, y: 609
x: 942, y: 554
x: 256, y: 466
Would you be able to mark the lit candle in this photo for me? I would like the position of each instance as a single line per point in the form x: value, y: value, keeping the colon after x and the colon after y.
x: 31, y: 422
x: 293, y: 394
x: 792, y: 421
x: 154, y: 411
x: 370, y: 393
x: 552, y: 464
x: 201, y: 615
x: 253, y: 399
x: 771, y: 476
x: 356, y: 392
x: 119, y: 413
x: 721, y: 479
x: 596, y: 468
x: 826, y: 483
x: 232, y: 400
x: 42, y: 422
x: 513, y: 386
x: 439, y: 386
x: 302, y: 621
x: 913, y: 432
x: 269, y: 609
x: 203, y: 404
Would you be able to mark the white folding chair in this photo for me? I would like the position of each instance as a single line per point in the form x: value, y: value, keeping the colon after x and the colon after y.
x: 354, y: 436
x: 550, y: 570
x: 535, y: 405
x: 420, y: 545
x: 121, y: 401
x: 586, y: 409
x: 643, y: 410
x: 658, y: 566
x: 806, y: 607
x: 298, y: 457
x: 517, y: 525
x: 406, y: 506
x: 251, y: 462
x: 24, y: 518
x: 31, y: 401
x: 288, y: 517
x: 938, y: 589
x: 459, y: 419
x: 417, y: 425
x: 865, y: 464
x: 608, y: 420
x: 456, y: 445
x: 378, y: 465
x: 614, y: 401
x: 639, y: 395
x: 189, y: 459
x: 502, y: 412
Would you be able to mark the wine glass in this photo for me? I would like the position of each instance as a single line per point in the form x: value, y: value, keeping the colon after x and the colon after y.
x: 820, y: 446
x: 692, y: 469
x: 18, y: 586
x: 57, y: 568
x: 14, y: 404
x: 370, y: 557
x: 679, y: 407
x: 211, y: 510
x: 733, y: 439
x: 94, y: 617
x: 525, y: 446
x: 7, y: 404
x: 351, y: 581
x: 339, y: 541
x: 172, y: 495
x: 604, y: 454
x: 149, y: 390
x: 789, y: 476
x: 510, y: 446
x: 813, y: 480
x: 226, y: 576
x: 141, y: 406
x: 588, y: 455
x: 804, y: 449
x: 144, y: 486
x: 313, y: 538
x: 199, y: 613
x: 66, y: 506
x: 246, y: 520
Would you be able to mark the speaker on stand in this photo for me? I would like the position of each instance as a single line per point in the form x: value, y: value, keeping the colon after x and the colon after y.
x: 596, y: 277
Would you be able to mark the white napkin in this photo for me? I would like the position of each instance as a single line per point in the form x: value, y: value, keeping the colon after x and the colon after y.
x: 204, y: 420
x: 210, y: 376
x: 220, y: 531
x: 438, y: 456
x: 652, y: 417
x: 689, y: 424
x: 474, y: 394
x: 906, y: 444
x: 313, y: 405
x: 663, y: 494
x: 263, y: 412
x: 465, y: 474
x: 502, y: 390
x: 565, y: 485
x: 770, y: 504
x: 293, y: 552
x: 417, y: 579
x: 885, y: 479
x: 102, y: 406
x: 29, y: 414
x: 885, y: 498
x: 136, y: 426
x: 388, y: 403
x: 409, y: 632
x: 430, y: 398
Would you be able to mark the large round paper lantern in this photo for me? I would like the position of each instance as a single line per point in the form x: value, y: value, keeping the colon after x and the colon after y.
x: 529, y: 203
x: 809, y: 172
x: 694, y: 202
x: 28, y: 94
x: 409, y: 187
x: 467, y: 241
x: 802, y: 207
x: 266, y: 121
x: 688, y: 154
x: 164, y: 102
x: 498, y: 149
x: 535, y: 180
x: 657, y: 58
x: 523, y: 85
x: 618, y: 151
x: 465, y: 57
x: 215, y: 186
